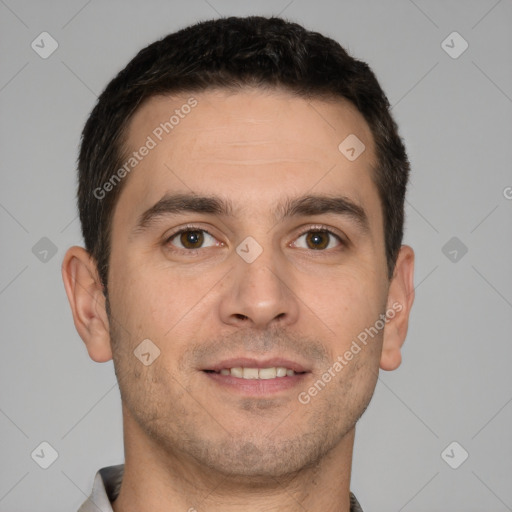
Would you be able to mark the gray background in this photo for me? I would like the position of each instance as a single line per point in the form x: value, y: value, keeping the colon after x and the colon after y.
x: 455, y: 382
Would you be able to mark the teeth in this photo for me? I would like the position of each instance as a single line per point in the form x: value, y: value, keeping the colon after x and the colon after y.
x: 267, y: 373
x: 258, y: 373
x: 237, y: 372
x: 281, y: 372
x: 250, y: 373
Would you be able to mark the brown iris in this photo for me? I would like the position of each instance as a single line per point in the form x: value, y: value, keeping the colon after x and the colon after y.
x: 192, y: 239
x: 317, y: 239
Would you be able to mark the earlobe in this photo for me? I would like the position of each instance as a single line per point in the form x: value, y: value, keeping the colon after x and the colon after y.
x: 87, y: 301
x: 400, y: 300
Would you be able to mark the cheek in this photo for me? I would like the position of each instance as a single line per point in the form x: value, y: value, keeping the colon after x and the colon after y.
x: 349, y: 309
x: 156, y: 300
x: 133, y: 293
x: 347, y: 300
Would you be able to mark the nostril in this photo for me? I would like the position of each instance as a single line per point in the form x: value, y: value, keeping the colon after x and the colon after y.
x: 240, y: 316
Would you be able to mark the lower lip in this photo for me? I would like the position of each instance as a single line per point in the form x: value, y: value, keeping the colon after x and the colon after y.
x: 257, y: 387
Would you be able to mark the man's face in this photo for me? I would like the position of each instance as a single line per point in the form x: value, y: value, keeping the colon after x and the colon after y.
x: 207, y: 297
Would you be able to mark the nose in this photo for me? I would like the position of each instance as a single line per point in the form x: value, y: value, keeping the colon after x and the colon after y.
x: 259, y: 294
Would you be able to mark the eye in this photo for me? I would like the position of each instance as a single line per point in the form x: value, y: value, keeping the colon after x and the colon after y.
x: 192, y: 239
x: 317, y: 239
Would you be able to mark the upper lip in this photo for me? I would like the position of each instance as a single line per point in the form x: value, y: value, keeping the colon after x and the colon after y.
x: 248, y: 362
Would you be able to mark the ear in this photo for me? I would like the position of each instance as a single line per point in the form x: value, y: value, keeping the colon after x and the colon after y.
x: 400, y: 300
x: 87, y: 301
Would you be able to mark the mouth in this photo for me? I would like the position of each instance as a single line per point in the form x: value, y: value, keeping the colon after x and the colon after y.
x: 272, y: 372
x: 257, y: 378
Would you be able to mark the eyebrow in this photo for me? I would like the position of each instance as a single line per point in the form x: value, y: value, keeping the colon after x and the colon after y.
x: 309, y: 205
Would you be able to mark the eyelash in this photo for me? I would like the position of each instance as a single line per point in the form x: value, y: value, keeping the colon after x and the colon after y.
x: 310, y: 229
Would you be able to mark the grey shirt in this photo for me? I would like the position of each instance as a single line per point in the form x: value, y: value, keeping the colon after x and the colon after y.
x: 107, y: 484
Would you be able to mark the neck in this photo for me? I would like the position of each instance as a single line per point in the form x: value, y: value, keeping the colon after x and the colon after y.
x: 156, y: 480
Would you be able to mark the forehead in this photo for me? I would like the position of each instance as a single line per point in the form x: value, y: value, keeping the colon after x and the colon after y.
x: 252, y: 147
x: 275, y: 119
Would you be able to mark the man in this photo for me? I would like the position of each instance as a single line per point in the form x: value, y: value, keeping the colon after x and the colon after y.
x: 241, y: 192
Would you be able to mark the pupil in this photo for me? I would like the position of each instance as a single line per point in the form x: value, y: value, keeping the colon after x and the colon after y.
x: 192, y: 239
x: 317, y: 240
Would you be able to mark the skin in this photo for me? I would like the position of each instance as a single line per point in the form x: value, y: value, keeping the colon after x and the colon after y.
x: 190, y: 444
